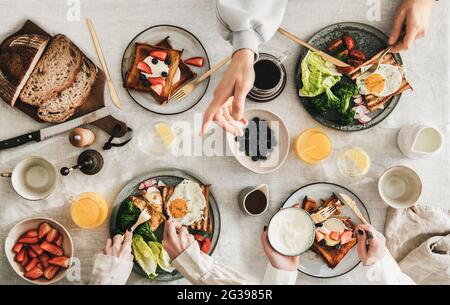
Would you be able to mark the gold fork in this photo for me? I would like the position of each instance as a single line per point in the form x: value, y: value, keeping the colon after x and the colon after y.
x: 376, y: 65
x: 143, y: 217
x: 190, y: 87
x: 323, y: 214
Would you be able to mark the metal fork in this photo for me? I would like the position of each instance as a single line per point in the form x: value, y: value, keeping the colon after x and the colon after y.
x: 143, y: 217
x: 323, y: 214
x: 376, y: 65
x: 190, y: 87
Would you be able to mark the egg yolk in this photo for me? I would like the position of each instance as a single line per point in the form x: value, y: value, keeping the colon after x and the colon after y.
x: 375, y: 83
x: 178, y: 208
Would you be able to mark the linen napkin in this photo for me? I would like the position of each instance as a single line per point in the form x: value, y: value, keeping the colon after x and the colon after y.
x: 419, y: 239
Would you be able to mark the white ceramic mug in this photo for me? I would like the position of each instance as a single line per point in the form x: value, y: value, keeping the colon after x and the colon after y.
x: 400, y: 187
x: 420, y: 140
x: 33, y: 178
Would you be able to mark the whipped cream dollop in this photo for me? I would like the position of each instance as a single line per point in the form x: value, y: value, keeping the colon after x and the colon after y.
x: 159, y: 68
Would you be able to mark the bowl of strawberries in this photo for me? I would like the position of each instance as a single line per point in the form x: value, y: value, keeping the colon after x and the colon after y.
x: 39, y: 250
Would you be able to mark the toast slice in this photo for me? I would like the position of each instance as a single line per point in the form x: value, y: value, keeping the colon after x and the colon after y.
x: 55, y: 72
x: 204, y: 224
x: 155, y: 204
x: 19, y: 56
x: 373, y: 102
x: 309, y: 205
x: 63, y: 106
x: 186, y: 74
x: 146, y: 69
x: 141, y: 202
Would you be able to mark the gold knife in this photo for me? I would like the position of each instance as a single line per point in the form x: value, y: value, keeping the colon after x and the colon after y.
x: 352, y: 204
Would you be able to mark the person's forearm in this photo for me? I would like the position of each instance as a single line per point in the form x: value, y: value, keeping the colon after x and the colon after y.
x: 247, y: 24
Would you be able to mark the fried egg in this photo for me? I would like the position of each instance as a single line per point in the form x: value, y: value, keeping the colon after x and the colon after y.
x: 385, y: 81
x: 186, y: 204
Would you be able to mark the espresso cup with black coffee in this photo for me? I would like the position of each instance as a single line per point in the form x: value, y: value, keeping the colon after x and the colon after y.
x: 254, y: 200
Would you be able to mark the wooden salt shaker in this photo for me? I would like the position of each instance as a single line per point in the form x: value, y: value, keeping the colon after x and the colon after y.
x: 81, y: 137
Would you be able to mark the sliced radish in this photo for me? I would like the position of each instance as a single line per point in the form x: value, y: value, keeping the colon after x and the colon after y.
x: 152, y: 189
x: 142, y: 186
x: 364, y: 119
x: 160, y: 183
x: 358, y: 100
x: 360, y: 111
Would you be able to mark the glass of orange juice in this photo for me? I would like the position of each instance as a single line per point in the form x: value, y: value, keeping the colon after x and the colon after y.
x: 313, y: 146
x: 89, y: 210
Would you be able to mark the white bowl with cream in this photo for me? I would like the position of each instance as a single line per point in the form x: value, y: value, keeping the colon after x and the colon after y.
x: 291, y: 231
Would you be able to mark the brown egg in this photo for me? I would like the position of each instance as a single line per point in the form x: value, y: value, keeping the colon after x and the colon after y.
x: 81, y: 137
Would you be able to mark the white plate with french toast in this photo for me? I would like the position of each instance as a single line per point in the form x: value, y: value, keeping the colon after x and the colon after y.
x: 159, y: 61
x: 334, y: 250
x: 166, y: 193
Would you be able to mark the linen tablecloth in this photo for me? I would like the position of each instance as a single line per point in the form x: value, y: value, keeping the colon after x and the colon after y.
x: 118, y: 21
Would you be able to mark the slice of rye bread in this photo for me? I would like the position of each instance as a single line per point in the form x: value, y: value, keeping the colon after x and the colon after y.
x: 55, y: 72
x: 19, y: 56
x: 64, y: 105
x: 204, y: 224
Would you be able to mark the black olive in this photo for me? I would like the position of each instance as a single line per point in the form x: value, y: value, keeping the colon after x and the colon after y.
x: 155, y: 61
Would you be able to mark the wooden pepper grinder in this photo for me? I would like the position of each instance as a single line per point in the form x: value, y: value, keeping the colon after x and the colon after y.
x: 81, y: 137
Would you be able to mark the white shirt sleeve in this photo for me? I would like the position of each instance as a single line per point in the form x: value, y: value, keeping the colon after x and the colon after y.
x: 110, y: 270
x: 275, y: 276
x: 248, y: 23
x: 387, y: 272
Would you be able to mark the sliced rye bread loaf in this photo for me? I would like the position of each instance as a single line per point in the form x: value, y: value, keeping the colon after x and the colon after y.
x: 54, y: 73
x: 19, y: 56
x: 63, y: 106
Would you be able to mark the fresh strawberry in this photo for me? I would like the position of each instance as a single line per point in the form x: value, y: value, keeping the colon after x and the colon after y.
x: 40, y: 266
x: 142, y: 66
x: 297, y: 205
x: 319, y: 236
x: 335, y: 45
x: 44, y: 260
x: 17, y: 247
x: 346, y: 236
x: 195, y: 61
x: 345, y: 70
x: 206, y: 246
x: 32, y: 233
x: 157, y: 81
x: 334, y: 235
x: 31, y: 253
x: 159, y: 54
x: 33, y: 263
x: 158, y: 89
x: 349, y: 42
x: 52, y: 235
x: 198, y: 237
x: 357, y: 54
x: 44, y: 228
x: 355, y: 63
x: 50, y: 272
x: 60, y: 261
x: 59, y: 240
x: 21, y: 255
x: 34, y: 273
x: 26, y: 259
x: 52, y: 249
x: 28, y: 240
x: 37, y: 249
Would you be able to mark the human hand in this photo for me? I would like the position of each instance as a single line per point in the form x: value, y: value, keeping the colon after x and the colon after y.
x: 227, y: 106
x: 176, y: 239
x: 120, y: 246
x: 277, y: 260
x: 371, y: 244
x: 413, y: 16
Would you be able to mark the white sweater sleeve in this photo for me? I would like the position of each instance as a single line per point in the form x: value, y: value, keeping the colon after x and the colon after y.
x: 110, y: 270
x: 387, y: 272
x: 248, y: 23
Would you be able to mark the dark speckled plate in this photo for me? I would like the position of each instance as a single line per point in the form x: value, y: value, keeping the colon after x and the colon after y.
x: 369, y: 40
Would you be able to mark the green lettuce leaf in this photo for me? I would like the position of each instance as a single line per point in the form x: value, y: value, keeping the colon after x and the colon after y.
x: 163, y: 257
x: 144, y: 256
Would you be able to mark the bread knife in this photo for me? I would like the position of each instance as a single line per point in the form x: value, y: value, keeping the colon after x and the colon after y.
x: 48, y: 132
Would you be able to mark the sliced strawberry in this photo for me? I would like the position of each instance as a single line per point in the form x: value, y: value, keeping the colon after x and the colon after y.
x: 159, y: 54
x: 158, y: 89
x: 28, y: 240
x: 59, y: 240
x: 345, y: 70
x: 346, y: 236
x: 206, y: 246
x: 21, y: 255
x: 44, y: 228
x: 334, y: 45
x: 52, y: 249
x: 44, y: 260
x: 342, y: 55
x: 334, y: 235
x: 32, y: 233
x: 195, y: 61
x: 357, y: 54
x: 349, y: 42
x: 31, y: 253
x: 34, y: 273
x: 297, y: 205
x: 33, y: 263
x: 319, y: 236
x: 142, y: 66
x: 40, y: 266
x: 60, y: 261
x: 17, y: 247
x: 157, y: 81
x: 37, y: 249
x: 26, y: 258
x: 52, y: 235
x: 50, y: 272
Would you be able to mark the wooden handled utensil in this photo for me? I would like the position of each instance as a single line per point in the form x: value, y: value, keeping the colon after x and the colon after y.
x: 301, y: 42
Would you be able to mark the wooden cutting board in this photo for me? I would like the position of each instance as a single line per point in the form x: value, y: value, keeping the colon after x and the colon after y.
x: 95, y: 100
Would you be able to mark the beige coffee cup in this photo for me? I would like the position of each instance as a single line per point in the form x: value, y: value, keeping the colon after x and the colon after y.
x: 33, y: 178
